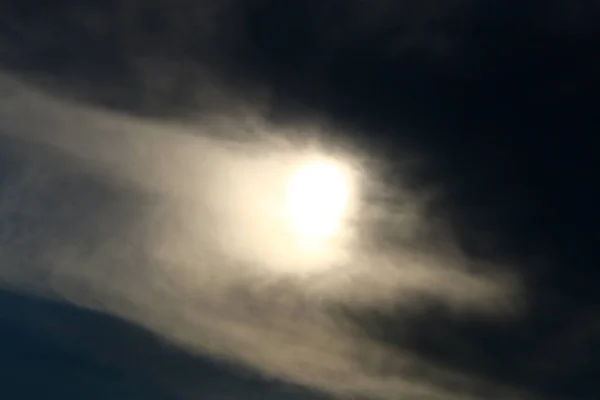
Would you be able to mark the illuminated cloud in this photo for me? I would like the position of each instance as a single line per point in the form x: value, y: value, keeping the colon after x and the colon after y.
x: 186, y: 244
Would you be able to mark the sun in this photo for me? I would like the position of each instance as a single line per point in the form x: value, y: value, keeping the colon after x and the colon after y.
x: 317, y: 196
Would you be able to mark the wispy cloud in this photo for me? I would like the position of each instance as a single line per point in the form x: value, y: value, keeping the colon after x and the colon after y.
x: 152, y: 222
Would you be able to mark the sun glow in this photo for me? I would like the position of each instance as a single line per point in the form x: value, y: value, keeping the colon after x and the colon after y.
x: 317, y: 197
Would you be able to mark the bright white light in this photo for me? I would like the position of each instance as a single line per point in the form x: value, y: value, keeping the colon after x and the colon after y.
x: 316, y: 198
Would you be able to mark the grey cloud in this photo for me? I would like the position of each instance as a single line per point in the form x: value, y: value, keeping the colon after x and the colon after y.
x: 101, y: 214
x: 110, y: 226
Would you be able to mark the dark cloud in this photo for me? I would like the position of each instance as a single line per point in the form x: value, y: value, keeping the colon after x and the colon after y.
x: 483, y: 112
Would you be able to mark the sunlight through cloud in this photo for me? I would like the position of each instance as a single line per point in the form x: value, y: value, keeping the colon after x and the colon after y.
x: 317, y: 196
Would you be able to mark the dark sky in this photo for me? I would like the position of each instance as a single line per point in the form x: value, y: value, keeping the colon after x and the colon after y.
x: 496, y: 99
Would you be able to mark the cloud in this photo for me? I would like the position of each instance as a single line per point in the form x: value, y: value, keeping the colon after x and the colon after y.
x: 140, y: 162
x: 151, y: 57
x: 152, y: 221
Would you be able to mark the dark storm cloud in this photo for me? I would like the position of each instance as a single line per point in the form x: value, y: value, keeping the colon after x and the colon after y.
x: 460, y: 86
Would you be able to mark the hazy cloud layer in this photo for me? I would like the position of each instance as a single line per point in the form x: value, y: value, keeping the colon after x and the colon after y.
x: 141, y: 138
x: 147, y: 221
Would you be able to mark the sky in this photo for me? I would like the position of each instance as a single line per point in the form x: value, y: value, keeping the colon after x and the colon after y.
x: 144, y: 146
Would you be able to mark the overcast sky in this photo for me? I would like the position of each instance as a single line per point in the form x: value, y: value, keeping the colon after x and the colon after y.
x: 142, y: 149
